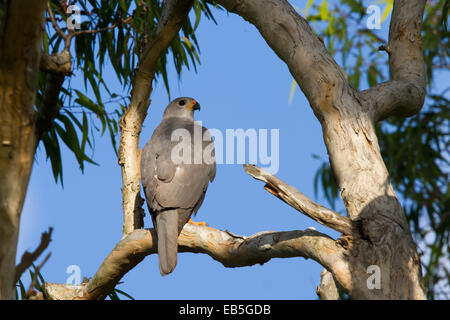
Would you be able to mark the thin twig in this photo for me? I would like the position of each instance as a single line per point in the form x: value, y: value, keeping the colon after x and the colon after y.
x: 384, y: 48
x: 299, y: 201
x: 28, y: 258
x: 53, y: 20
x: 31, y: 291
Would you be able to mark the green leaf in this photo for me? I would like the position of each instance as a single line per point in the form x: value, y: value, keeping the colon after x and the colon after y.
x: 323, y: 10
x: 372, y: 75
x: 308, y: 5
x: 444, y: 18
x: 23, y: 291
x: 53, y: 151
x: 387, y: 10
x: 113, y: 296
x: 292, y: 91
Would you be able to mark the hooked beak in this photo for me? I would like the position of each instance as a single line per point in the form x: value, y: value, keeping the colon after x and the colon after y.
x: 194, y: 105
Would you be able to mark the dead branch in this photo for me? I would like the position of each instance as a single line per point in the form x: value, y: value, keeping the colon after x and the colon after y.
x: 230, y: 250
x: 173, y: 16
x: 300, y: 202
x: 28, y: 258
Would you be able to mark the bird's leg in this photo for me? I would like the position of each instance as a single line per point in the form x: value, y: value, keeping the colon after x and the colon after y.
x: 202, y: 223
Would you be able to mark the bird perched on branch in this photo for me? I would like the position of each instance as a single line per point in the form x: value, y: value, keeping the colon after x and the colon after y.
x: 177, y: 164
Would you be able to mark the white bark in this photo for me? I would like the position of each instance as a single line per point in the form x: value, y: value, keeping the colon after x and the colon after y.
x: 327, y: 289
x: 348, y: 122
x: 374, y: 235
x: 173, y: 17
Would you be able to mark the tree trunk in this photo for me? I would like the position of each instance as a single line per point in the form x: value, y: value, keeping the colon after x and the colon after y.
x: 21, y: 39
x: 172, y: 18
x: 375, y: 258
x: 381, y: 242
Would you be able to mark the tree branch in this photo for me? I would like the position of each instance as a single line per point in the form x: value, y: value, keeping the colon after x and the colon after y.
x: 347, y: 122
x: 348, y: 119
x: 31, y: 292
x: 292, y: 39
x: 405, y: 93
x: 60, y: 62
x: 54, y: 23
x: 327, y: 289
x: 173, y: 16
x: 49, y: 109
x: 58, y: 66
x: 349, y: 133
x: 222, y: 246
x: 300, y: 202
x: 28, y: 258
x: 20, y: 49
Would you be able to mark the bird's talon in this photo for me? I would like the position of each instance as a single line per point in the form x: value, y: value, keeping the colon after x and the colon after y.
x: 201, y: 223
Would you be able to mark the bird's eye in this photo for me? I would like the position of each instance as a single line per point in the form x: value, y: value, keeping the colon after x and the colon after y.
x: 182, y: 103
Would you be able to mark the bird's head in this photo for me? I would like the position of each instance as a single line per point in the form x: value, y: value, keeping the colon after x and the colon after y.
x: 181, y: 108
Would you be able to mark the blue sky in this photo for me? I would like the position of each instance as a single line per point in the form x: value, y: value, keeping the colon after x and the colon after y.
x: 240, y: 83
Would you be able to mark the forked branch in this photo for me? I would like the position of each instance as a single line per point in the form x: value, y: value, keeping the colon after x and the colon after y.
x: 300, y: 202
x: 327, y: 289
x: 404, y: 94
x: 173, y: 16
x: 230, y: 250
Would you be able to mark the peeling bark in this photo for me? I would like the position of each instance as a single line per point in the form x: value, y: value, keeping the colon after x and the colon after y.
x: 223, y: 246
x: 173, y: 16
x: 327, y: 289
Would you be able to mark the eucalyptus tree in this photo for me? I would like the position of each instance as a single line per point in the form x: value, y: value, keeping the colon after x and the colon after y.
x: 361, y: 128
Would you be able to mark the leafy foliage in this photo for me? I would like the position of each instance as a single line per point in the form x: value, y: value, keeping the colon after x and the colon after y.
x: 115, y: 295
x: 112, y: 33
x: 416, y: 152
x: 416, y: 149
x: 23, y: 293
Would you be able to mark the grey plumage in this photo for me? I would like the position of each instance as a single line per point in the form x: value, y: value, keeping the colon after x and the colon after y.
x: 174, y: 190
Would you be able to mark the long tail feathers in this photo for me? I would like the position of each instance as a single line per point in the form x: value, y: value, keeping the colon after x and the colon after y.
x: 167, y: 230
